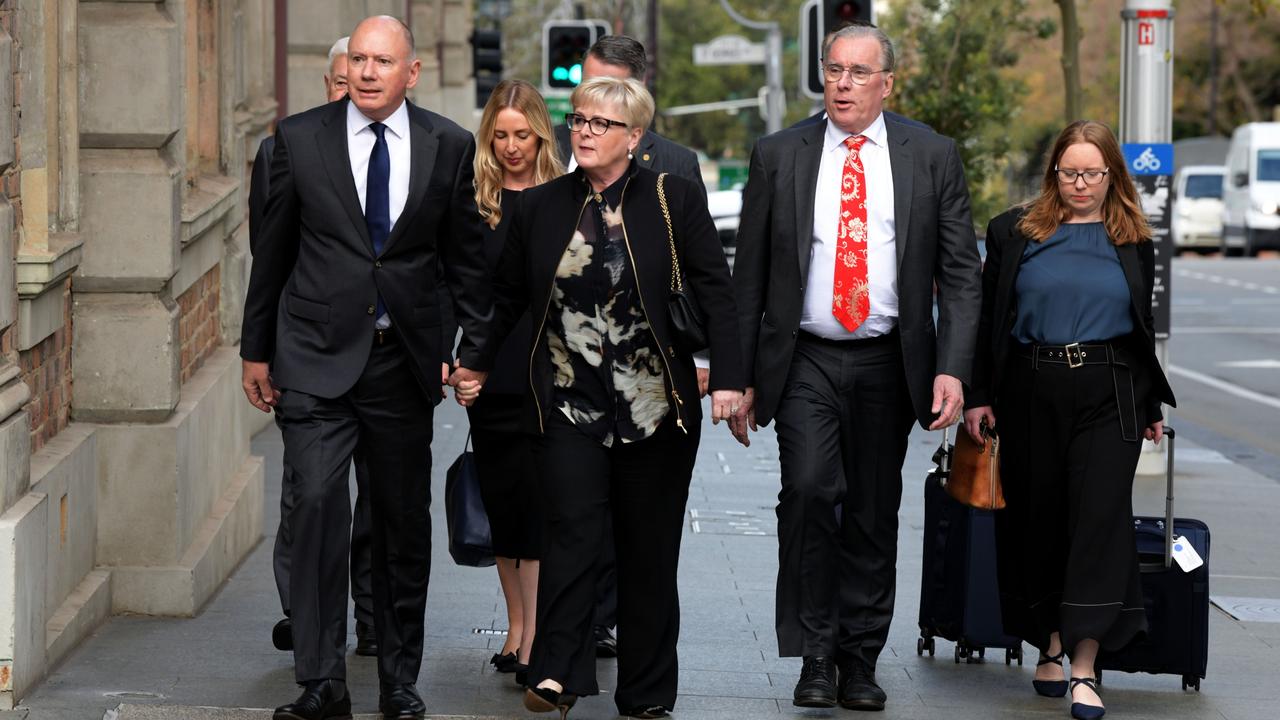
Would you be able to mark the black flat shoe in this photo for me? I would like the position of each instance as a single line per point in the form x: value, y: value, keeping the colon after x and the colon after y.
x: 817, y: 686
x: 548, y: 700
x: 401, y: 702
x: 606, y: 642
x: 504, y: 663
x: 648, y: 711
x: 858, y: 689
x: 1050, y: 688
x: 1084, y: 711
x: 282, y: 635
x: 366, y: 640
x: 320, y: 700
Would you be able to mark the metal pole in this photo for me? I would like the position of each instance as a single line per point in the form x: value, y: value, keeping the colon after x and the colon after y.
x: 1213, y: 69
x: 775, y: 102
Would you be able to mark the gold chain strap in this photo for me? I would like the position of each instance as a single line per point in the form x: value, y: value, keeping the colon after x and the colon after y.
x: 676, y: 283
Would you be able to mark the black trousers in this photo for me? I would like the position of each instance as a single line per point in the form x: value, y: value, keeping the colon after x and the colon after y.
x: 1066, y: 554
x: 361, y: 574
x: 643, y: 488
x: 842, y: 436
x: 386, y: 418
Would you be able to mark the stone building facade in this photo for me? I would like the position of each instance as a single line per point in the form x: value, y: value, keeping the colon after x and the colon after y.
x: 126, y: 133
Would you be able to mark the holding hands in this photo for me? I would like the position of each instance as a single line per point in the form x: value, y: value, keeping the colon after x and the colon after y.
x: 466, y: 384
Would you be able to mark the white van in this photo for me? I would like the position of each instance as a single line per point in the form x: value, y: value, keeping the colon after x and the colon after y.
x: 1197, y: 207
x: 1251, y: 193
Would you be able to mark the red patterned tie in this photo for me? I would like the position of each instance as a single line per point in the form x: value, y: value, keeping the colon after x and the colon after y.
x: 850, y: 294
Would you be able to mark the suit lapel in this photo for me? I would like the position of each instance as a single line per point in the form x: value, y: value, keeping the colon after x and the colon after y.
x: 332, y: 145
x: 423, y: 145
x: 808, y: 159
x: 902, y: 166
x: 645, y: 156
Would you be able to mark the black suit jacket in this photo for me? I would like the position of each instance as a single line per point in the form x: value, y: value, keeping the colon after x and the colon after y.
x: 654, y: 152
x: 315, y: 278
x: 1005, y: 246
x: 542, y: 225
x: 259, y: 181
x: 821, y: 116
x: 935, y: 244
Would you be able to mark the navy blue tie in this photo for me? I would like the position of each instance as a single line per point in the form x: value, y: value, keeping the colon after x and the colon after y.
x: 377, y: 196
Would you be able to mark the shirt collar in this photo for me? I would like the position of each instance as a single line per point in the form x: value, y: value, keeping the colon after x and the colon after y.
x: 398, y: 123
x: 875, y: 134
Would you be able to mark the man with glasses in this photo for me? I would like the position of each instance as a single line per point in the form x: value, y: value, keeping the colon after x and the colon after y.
x: 848, y: 225
x: 623, y: 57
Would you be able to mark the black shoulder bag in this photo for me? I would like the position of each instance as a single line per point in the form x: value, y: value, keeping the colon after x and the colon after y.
x: 688, y: 325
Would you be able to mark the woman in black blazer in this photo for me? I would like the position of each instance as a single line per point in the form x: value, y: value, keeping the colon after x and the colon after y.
x: 1066, y: 360
x: 612, y: 397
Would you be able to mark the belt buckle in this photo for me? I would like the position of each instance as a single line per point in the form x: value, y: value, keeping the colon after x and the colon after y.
x: 1075, y: 358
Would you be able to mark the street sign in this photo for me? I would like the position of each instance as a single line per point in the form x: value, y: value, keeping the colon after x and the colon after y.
x: 1149, y: 158
x: 729, y: 50
x: 557, y: 106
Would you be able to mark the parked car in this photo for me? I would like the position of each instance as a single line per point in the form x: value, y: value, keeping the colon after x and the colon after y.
x: 1251, y: 194
x: 1197, y: 207
x: 725, y: 207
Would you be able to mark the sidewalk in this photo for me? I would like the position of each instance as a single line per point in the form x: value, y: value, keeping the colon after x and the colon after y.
x: 145, y: 668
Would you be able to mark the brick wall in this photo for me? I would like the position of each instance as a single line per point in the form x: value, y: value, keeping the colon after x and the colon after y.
x: 46, y: 369
x: 198, y: 322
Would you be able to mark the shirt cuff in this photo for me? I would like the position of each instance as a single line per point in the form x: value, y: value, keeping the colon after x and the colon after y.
x: 702, y: 359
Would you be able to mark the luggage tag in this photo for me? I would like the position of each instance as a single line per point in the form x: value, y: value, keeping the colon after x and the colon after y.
x: 1185, y: 555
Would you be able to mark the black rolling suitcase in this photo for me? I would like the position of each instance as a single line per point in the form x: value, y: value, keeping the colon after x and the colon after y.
x: 1177, y: 602
x: 959, y: 596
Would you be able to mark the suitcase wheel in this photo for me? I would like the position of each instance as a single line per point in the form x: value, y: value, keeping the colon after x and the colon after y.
x: 1011, y: 654
x: 1191, y: 681
x: 923, y: 644
x: 961, y: 653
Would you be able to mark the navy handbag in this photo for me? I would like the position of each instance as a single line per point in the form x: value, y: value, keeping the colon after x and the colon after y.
x: 470, y: 542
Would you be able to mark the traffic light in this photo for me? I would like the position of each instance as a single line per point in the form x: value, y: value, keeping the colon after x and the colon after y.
x: 486, y: 61
x: 836, y: 13
x: 564, y: 46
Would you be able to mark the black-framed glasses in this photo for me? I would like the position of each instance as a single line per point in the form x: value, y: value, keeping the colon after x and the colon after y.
x: 859, y: 74
x: 1091, y: 177
x: 598, y: 125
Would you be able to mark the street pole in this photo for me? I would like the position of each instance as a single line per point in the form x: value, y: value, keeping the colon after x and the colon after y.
x: 1146, y: 129
x: 775, y: 100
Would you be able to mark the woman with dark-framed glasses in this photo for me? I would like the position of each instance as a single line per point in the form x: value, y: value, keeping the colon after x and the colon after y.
x: 1066, y: 362
x: 613, y: 398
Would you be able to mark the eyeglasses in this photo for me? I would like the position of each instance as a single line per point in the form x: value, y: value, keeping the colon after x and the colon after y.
x: 859, y: 74
x: 1091, y: 177
x: 598, y: 125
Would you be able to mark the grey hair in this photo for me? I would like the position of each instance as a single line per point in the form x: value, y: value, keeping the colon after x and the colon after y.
x: 857, y: 31
x: 629, y: 95
x: 622, y: 51
x: 339, y: 48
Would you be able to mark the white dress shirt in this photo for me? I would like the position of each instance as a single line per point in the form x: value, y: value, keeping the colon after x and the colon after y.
x: 882, y: 256
x: 360, y: 141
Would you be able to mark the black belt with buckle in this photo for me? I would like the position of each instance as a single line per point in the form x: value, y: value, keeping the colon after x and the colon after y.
x: 384, y: 336
x: 1077, y: 355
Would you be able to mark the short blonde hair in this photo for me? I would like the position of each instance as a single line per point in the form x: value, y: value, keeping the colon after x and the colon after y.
x: 628, y: 95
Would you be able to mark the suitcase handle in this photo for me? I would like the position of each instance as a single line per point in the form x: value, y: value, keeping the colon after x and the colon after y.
x: 1168, y: 501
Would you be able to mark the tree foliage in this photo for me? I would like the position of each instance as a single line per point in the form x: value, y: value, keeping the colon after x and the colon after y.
x: 951, y: 57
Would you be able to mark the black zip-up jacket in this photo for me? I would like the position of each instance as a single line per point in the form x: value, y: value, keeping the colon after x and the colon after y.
x: 542, y: 225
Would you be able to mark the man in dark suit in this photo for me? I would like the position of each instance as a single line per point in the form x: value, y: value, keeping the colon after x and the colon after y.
x: 335, y: 88
x: 370, y: 198
x: 847, y: 225
x: 623, y: 57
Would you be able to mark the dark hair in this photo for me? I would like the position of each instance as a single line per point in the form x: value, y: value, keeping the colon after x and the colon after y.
x: 622, y: 51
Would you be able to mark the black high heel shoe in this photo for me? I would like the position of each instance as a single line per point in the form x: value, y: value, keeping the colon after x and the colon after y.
x: 540, y: 700
x: 1085, y: 711
x: 504, y: 663
x: 522, y: 673
x: 1050, y: 688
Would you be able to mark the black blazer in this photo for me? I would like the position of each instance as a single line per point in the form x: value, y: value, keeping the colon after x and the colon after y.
x: 654, y: 152
x: 259, y: 181
x: 935, y: 244
x: 821, y: 115
x: 542, y: 225
x: 315, y: 279
x: 1005, y: 245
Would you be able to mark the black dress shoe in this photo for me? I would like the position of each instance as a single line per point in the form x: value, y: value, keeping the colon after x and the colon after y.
x: 858, y: 689
x: 606, y: 642
x: 817, y: 686
x: 401, y: 702
x: 366, y: 640
x: 540, y: 700
x: 320, y: 700
x: 648, y: 711
x: 504, y: 663
x: 522, y: 673
x: 282, y: 635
